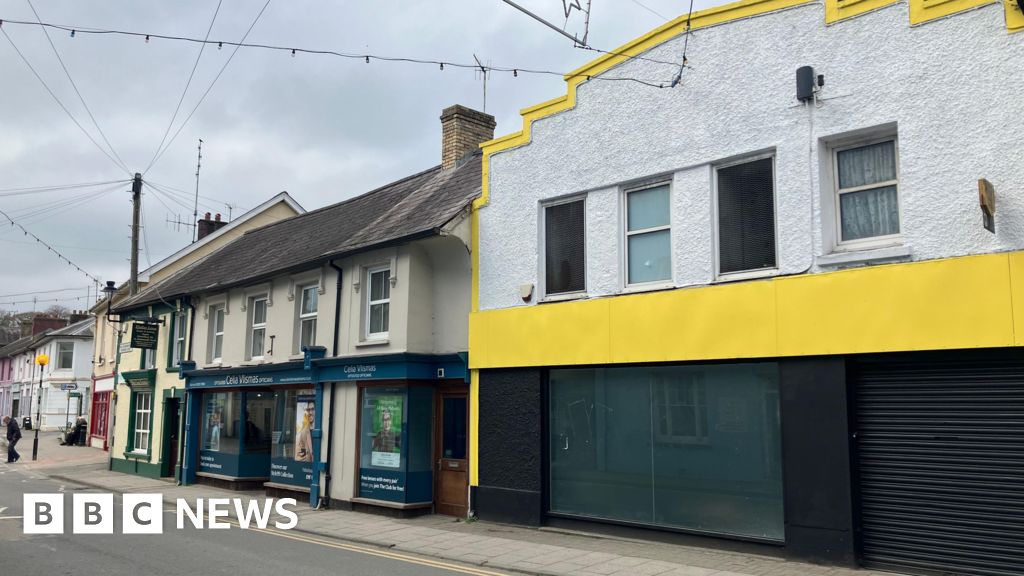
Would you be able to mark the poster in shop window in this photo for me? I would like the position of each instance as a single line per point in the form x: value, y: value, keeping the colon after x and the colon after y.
x: 305, y: 412
x: 386, y: 450
x: 214, y: 423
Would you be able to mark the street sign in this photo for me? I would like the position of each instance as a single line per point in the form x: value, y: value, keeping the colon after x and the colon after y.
x: 69, y: 386
x: 126, y: 348
x: 144, y: 336
x: 74, y: 395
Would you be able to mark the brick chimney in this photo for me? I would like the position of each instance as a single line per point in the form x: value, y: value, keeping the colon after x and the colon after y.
x: 207, y: 226
x: 462, y: 131
x: 43, y: 323
x: 77, y: 316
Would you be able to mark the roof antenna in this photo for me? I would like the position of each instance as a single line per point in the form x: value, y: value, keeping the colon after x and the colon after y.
x: 483, y: 72
x: 195, y: 207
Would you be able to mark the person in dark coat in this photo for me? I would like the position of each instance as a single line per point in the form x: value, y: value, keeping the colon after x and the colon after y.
x: 13, y: 435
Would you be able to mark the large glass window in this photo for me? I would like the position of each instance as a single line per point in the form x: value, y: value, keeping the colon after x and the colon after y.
x: 694, y: 447
x: 565, y: 247
x: 378, y: 302
x: 294, y: 419
x: 866, y: 186
x: 65, y: 355
x: 746, y: 216
x: 222, y: 426
x: 143, y: 421
x: 648, y: 249
x: 259, y: 421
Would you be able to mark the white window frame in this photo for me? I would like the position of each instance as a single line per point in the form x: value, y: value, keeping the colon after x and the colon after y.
x: 370, y: 303
x: 212, y: 312
x: 303, y: 318
x: 60, y: 355
x: 140, y: 440
x: 744, y: 274
x: 700, y: 416
x: 254, y: 326
x: 626, y: 233
x: 873, y: 241
x: 542, y: 276
x: 178, y: 338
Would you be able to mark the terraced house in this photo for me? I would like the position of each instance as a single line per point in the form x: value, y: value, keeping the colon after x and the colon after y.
x: 326, y: 353
x: 771, y: 300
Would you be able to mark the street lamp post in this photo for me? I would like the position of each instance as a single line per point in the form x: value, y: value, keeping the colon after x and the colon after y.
x: 42, y: 360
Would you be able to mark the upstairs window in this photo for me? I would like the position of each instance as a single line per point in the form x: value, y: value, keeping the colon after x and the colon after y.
x: 867, y: 194
x: 648, y: 235
x: 178, y: 338
x: 257, y: 327
x: 565, y: 247
x: 307, y: 316
x: 378, y: 302
x: 746, y: 216
x: 216, y: 333
x: 65, y: 355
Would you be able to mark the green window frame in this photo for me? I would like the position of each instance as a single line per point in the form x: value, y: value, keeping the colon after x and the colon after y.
x: 133, y: 419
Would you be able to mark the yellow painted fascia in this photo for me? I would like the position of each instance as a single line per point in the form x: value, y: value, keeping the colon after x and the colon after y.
x: 922, y: 11
x: 955, y: 303
x: 836, y: 10
x: 1014, y: 16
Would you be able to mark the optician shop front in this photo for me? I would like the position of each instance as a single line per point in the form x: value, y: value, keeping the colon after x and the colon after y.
x: 262, y: 426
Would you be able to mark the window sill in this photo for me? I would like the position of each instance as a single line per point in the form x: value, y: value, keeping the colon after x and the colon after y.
x: 563, y: 297
x: 650, y: 287
x: 751, y: 275
x: 297, y: 357
x: 137, y: 455
x: 174, y: 369
x: 366, y: 343
x: 867, y: 256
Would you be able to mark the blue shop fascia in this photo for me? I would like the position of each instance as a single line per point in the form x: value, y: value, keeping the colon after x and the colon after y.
x: 271, y: 425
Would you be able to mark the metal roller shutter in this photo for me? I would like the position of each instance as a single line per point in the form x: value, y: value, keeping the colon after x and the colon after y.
x: 940, y: 446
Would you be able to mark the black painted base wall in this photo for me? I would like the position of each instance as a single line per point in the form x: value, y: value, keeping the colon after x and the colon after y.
x: 511, y: 447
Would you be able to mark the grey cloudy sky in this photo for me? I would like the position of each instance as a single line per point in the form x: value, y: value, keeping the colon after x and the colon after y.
x: 320, y: 127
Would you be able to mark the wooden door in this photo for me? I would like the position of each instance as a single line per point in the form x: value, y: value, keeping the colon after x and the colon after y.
x: 171, y: 425
x: 451, y: 482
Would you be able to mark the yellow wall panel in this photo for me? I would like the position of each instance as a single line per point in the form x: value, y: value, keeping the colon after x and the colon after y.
x: 1014, y: 16
x: 728, y: 321
x: 836, y: 10
x: 1016, y: 268
x: 940, y: 304
x: 922, y: 11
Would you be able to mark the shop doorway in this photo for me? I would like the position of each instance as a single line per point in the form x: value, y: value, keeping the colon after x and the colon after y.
x: 451, y: 486
x: 172, y: 423
x: 15, y: 408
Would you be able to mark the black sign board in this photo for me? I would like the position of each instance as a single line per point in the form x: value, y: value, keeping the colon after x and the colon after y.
x: 144, y: 336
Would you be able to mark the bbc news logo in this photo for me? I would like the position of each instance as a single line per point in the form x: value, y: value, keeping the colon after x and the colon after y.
x: 144, y: 513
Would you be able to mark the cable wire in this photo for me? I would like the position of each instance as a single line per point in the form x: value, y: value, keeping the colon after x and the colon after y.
x: 49, y: 247
x: 649, y: 9
x: 8, y: 192
x: 187, y: 84
x: 41, y: 292
x: 210, y: 87
x: 77, y: 92
x: 55, y: 99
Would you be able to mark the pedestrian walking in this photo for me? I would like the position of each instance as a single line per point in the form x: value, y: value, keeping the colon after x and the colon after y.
x: 13, y: 435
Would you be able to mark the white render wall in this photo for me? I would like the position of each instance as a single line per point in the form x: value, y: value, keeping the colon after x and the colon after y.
x: 951, y: 87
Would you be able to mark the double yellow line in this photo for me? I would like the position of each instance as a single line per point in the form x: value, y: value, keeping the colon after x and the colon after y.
x: 376, y: 552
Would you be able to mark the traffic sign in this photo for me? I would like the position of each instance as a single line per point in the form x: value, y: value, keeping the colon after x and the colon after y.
x: 69, y: 386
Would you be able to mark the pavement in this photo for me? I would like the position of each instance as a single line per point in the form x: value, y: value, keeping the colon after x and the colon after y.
x: 544, y: 551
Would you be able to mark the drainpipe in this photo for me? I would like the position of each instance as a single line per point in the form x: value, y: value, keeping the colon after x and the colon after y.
x: 183, y: 405
x: 334, y: 390
x: 112, y: 407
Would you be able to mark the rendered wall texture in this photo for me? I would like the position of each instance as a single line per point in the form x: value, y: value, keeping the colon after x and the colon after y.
x: 945, y: 85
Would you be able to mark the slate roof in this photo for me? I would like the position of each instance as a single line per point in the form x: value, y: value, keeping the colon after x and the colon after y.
x: 16, y: 347
x: 81, y: 329
x: 416, y: 206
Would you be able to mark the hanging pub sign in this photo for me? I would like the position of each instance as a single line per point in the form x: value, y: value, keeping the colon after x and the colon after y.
x: 144, y: 336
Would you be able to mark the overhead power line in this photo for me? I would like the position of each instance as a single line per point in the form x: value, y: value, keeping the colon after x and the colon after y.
x: 187, y: 84
x: 7, y: 192
x: 54, y: 96
x: 37, y: 301
x: 42, y: 292
x: 368, y: 58
x: 50, y: 248
x: 214, y: 82
x: 77, y: 92
x: 649, y: 9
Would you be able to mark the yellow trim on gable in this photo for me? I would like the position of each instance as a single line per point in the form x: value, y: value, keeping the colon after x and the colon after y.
x: 836, y: 10
x: 922, y: 11
x: 966, y: 302
x: 1014, y: 16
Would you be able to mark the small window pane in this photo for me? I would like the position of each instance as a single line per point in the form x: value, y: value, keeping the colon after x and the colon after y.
x: 746, y: 217
x: 649, y: 257
x: 218, y: 320
x: 257, y: 342
x: 648, y: 208
x: 378, y: 318
x: 564, y: 248
x: 380, y: 288
x: 309, y: 300
x: 259, y: 311
x: 870, y: 213
x: 218, y: 346
x: 308, y: 337
x: 867, y: 164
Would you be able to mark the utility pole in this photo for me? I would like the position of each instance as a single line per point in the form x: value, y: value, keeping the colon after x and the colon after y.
x: 133, y: 283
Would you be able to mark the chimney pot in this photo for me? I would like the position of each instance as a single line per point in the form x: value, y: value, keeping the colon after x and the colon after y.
x: 207, y: 216
x: 217, y: 218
